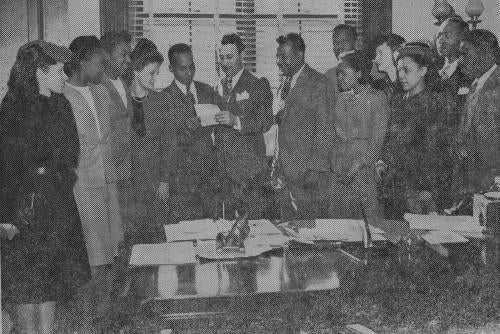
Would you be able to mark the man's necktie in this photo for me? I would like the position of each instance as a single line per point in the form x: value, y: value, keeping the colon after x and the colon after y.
x: 227, y: 87
x: 285, y: 90
x: 190, y: 94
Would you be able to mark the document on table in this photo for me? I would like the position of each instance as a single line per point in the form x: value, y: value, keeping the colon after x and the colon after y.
x: 161, y: 254
x: 201, y: 229
x: 443, y: 223
x: 443, y: 237
x: 206, y: 113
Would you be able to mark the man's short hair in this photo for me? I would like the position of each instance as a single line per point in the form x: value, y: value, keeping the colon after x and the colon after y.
x: 233, y: 39
x: 483, y: 40
x: 111, y: 39
x: 459, y: 22
x: 350, y: 30
x: 392, y: 40
x: 178, y: 49
x: 294, y: 39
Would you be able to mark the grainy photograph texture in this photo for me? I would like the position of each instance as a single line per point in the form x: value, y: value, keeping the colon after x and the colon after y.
x: 250, y: 166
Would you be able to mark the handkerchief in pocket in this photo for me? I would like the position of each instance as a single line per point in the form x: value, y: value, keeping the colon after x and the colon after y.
x: 242, y: 96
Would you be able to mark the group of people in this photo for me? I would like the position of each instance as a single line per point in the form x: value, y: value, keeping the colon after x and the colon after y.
x: 93, y: 157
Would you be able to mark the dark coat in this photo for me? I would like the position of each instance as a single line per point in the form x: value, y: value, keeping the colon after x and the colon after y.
x: 481, y: 140
x: 417, y: 146
x: 40, y: 153
x: 242, y: 154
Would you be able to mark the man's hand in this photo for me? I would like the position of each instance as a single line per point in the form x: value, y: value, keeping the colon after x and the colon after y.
x: 163, y: 191
x: 226, y: 118
x: 193, y: 123
x: 311, y: 179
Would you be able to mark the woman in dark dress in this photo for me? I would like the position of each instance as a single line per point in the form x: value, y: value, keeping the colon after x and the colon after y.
x: 415, y: 157
x: 47, y: 260
x: 150, y: 210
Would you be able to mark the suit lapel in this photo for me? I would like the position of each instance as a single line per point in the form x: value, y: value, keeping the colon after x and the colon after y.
x: 115, y: 96
x: 101, y: 106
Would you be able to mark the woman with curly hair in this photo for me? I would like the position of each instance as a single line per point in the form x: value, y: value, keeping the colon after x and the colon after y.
x: 150, y: 210
x: 47, y: 260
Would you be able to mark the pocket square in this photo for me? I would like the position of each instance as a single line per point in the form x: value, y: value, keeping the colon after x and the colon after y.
x: 463, y: 91
x: 242, y: 96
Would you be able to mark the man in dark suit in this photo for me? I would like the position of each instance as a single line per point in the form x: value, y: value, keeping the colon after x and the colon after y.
x: 246, y: 114
x: 117, y: 47
x: 344, y: 39
x: 185, y: 164
x: 478, y: 138
x: 305, y: 132
x: 453, y: 82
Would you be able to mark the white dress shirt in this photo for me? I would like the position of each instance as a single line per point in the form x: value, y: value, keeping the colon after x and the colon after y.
x: 120, y: 89
x: 183, y: 88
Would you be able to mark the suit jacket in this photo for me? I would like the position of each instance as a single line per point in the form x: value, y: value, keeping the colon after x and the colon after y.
x: 305, y: 133
x: 451, y: 87
x: 121, y: 129
x: 242, y: 153
x: 482, y: 138
x: 331, y: 75
x: 95, y: 164
x: 173, y: 149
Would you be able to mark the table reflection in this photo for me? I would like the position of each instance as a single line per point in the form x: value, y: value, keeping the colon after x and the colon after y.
x: 290, y: 270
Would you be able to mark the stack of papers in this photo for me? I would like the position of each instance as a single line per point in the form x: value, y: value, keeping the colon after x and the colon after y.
x: 443, y: 237
x: 349, y: 230
x: 162, y: 254
x: 443, y: 223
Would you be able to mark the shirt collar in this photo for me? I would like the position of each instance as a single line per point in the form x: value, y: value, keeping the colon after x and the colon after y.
x: 236, y: 78
x: 448, y: 68
x: 482, y: 80
x: 345, y: 53
x: 295, y: 77
x: 183, y: 88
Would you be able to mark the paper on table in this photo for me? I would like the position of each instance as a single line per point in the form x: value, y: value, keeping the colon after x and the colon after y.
x: 206, y: 113
x: 158, y: 254
x: 446, y: 223
x: 191, y: 230
x: 442, y: 237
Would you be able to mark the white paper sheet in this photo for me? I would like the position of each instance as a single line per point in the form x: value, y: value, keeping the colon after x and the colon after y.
x: 443, y: 237
x: 191, y: 230
x: 161, y: 254
x: 442, y: 223
x: 206, y: 113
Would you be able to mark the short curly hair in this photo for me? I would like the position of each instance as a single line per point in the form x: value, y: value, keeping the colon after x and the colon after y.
x: 112, y: 39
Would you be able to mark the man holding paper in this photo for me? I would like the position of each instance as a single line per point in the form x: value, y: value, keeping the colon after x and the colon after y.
x: 246, y: 104
x: 186, y: 168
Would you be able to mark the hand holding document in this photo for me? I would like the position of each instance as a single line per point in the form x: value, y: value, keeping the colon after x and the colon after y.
x: 206, y: 113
